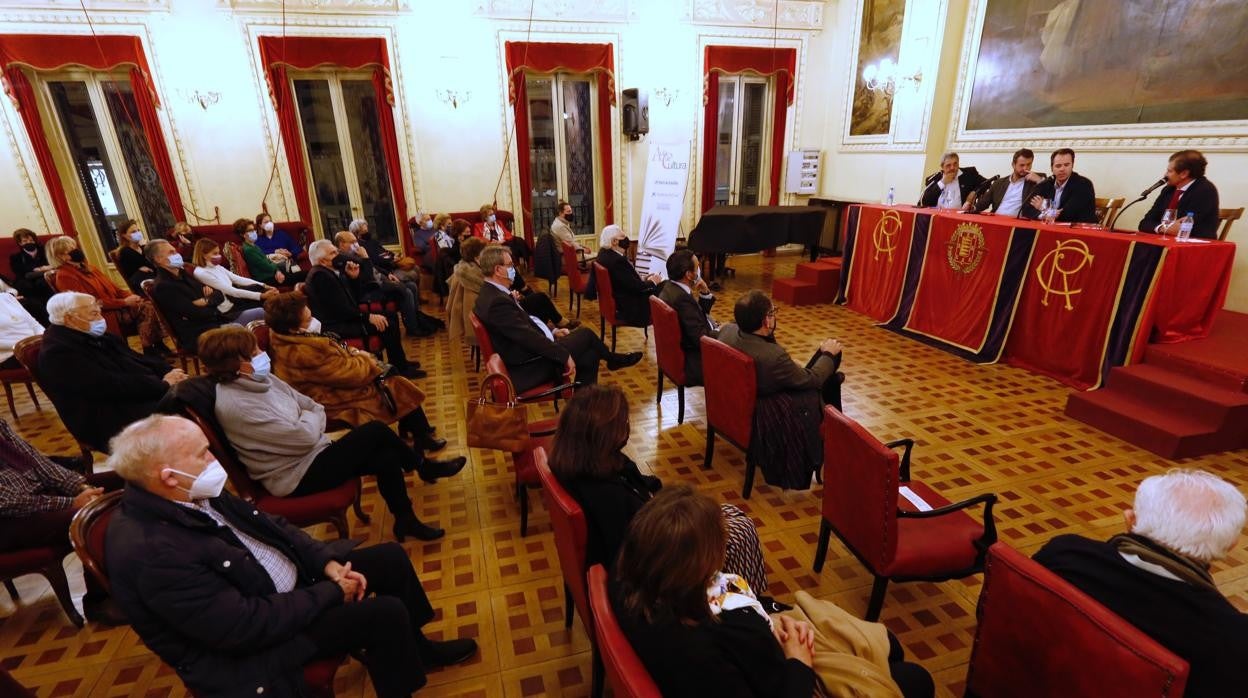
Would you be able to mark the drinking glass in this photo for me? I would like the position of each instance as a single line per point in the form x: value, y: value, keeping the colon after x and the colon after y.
x: 1167, y: 219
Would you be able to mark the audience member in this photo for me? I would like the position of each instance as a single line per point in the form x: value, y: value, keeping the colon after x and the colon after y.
x: 240, y: 293
x: 1186, y: 191
x: 333, y: 300
x: 374, y: 285
x: 492, y: 230
x: 351, y: 384
x: 279, y: 435
x: 789, y: 407
x: 190, y: 307
x: 28, y: 265
x: 238, y: 601
x: 73, y: 273
x: 96, y: 381
x: 259, y: 266
x: 949, y: 189
x: 632, y: 292
x: 684, y: 278
x: 15, y: 325
x: 384, y: 260
x: 700, y: 631
x: 448, y: 255
x: 128, y: 256
x: 1070, y: 194
x: 424, y: 230
x: 535, y: 354
x: 1006, y: 195
x: 275, y: 241
x: 465, y: 286
x: 1156, y: 575
x: 38, y: 498
x: 182, y: 238
x: 561, y: 227
x: 588, y: 459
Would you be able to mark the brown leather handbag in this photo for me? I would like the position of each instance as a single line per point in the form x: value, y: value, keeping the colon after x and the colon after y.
x: 503, y: 425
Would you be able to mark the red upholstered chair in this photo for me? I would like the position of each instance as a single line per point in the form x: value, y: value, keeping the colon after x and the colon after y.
x: 577, y: 281
x: 730, y: 401
x: 625, y: 673
x: 899, y: 528
x: 47, y: 561
x: 606, y: 305
x: 1039, y: 636
x: 541, y: 393
x: 9, y: 376
x: 27, y: 353
x: 571, y: 541
x: 260, y: 329
x: 524, y: 462
x: 88, y: 532
x: 671, y: 356
x: 184, y: 355
x: 484, y: 347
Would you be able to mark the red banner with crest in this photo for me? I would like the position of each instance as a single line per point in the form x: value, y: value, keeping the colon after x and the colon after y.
x: 880, y: 256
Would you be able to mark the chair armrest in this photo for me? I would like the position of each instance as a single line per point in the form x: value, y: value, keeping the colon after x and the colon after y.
x: 542, y: 432
x: 905, y: 456
x: 557, y: 390
x: 990, y: 526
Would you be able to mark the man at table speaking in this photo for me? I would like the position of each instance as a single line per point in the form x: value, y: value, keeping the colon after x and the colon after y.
x: 1186, y: 191
x: 1072, y: 194
x: 1006, y: 196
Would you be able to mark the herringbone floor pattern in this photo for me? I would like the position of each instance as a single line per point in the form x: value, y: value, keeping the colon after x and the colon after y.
x: 977, y: 428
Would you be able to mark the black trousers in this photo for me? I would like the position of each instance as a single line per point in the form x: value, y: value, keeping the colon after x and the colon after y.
x: 386, y: 624
x: 391, y: 337
x: 912, y: 679
x: 830, y: 391
x: 540, y: 306
x: 586, y: 349
x: 369, y: 449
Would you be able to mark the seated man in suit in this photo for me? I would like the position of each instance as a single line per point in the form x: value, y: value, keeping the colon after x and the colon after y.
x: 947, y: 189
x: 374, y: 285
x: 684, y: 278
x: 189, y: 306
x: 1070, y: 193
x: 97, y: 382
x: 1156, y: 576
x: 332, y: 297
x: 535, y: 354
x: 238, y: 601
x: 632, y: 293
x: 1186, y: 191
x: 1006, y: 196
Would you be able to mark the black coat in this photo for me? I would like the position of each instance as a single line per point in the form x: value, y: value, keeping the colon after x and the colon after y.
x: 99, y: 384
x: 968, y: 181
x: 382, y: 258
x: 1078, y: 203
x: 1200, y: 199
x: 693, y: 326
x: 331, y: 298
x: 198, y: 598
x: 176, y: 296
x: 24, y: 265
x: 609, y: 505
x: 547, y: 257
x: 632, y: 293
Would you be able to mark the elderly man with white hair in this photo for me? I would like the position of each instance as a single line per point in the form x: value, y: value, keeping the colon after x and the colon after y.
x: 632, y: 291
x: 375, y: 284
x: 1157, y: 577
x: 96, y: 381
x: 238, y: 601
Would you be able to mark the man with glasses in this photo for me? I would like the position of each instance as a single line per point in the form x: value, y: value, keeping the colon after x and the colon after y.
x: 96, y: 381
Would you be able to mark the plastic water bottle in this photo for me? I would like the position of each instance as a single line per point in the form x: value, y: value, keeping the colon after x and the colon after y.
x: 1185, y: 226
x: 891, y: 197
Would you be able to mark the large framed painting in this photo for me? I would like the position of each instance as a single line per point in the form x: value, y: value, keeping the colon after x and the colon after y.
x: 879, y: 39
x: 1105, y: 70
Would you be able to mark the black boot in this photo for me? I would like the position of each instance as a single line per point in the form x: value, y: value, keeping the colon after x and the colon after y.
x: 432, y: 470
x: 435, y: 654
x: 409, y: 525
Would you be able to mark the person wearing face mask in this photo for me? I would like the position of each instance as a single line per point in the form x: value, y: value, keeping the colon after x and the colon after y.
x: 191, y: 307
x: 492, y: 230
x: 128, y: 256
x: 96, y: 381
x: 279, y: 434
x: 123, y: 311
x: 373, y: 285
x: 238, y: 601
x: 632, y: 292
x: 181, y: 238
x: 28, y: 264
x: 789, y: 410
x: 241, y: 293
x: 561, y: 227
x: 423, y: 230
x: 684, y: 279
x: 275, y: 241
x: 258, y: 264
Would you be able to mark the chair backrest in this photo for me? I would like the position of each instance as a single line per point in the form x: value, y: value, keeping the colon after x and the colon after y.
x: 670, y: 354
x: 484, y: 344
x: 626, y: 675
x: 247, y: 488
x: 147, y: 285
x: 26, y: 351
x: 49, y: 278
x: 260, y: 329
x: 1040, y: 636
x: 234, y: 255
x: 571, y: 536
x: 1227, y: 216
x: 1106, y: 207
x: 576, y: 282
x: 731, y: 394
x: 606, y: 294
x: 860, y: 481
x: 87, y: 533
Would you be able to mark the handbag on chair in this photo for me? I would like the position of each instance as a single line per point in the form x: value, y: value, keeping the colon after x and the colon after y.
x: 498, y: 425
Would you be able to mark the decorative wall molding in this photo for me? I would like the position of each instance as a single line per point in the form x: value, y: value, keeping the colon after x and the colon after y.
x: 557, y: 10
x: 93, y: 5
x: 335, y: 7
x: 792, y: 14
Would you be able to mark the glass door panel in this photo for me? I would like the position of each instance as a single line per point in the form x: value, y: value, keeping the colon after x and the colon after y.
x: 578, y: 134
x: 153, y: 203
x: 750, y: 176
x: 92, y: 163
x: 724, y: 168
x: 543, y: 152
x: 359, y: 99
x: 320, y: 138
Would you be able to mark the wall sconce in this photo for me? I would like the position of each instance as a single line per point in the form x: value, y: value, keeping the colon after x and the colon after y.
x: 203, y: 99
x: 454, y: 98
x: 887, y: 76
x: 667, y: 94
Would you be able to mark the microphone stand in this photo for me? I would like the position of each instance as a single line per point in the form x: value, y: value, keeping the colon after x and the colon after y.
x: 1123, y: 210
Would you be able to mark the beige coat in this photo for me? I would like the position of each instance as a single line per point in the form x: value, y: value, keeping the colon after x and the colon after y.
x: 465, y: 285
x: 340, y: 378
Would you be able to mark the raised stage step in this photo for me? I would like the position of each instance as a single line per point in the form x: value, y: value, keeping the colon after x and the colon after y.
x: 795, y: 291
x: 1180, y: 392
x: 1152, y: 426
x: 825, y: 277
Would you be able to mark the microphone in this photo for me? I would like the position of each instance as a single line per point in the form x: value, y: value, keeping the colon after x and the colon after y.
x: 987, y: 184
x: 1158, y: 183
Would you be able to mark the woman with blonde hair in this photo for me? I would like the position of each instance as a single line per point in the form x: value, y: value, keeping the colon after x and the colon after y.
x: 491, y: 229
x: 240, y: 292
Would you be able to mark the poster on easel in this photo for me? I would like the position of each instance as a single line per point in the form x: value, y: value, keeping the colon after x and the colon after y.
x: 667, y: 175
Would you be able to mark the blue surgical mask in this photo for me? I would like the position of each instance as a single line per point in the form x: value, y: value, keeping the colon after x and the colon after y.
x: 137, y: 236
x: 260, y: 365
x: 98, y: 328
x: 511, y: 273
x: 175, y: 260
x: 251, y: 236
x: 491, y: 218
x: 429, y: 225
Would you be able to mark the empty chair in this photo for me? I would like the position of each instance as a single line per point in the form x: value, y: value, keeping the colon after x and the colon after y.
x: 730, y: 402
x: 578, y: 283
x: 1107, y: 209
x: 524, y: 462
x: 1227, y: 216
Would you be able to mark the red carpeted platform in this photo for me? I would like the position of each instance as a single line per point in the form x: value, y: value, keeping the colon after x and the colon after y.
x: 814, y: 282
x: 1184, y: 400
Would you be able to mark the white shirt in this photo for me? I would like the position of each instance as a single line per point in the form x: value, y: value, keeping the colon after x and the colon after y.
x: 540, y: 325
x: 15, y: 325
x: 1012, y: 200
x: 1057, y: 193
x: 223, y: 280
x: 950, y: 196
x: 280, y: 568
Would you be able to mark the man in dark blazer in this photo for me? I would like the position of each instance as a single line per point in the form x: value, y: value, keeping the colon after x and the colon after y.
x: 96, y: 381
x: 533, y: 353
x: 1186, y: 191
x: 934, y: 186
x: 238, y: 601
x: 632, y: 293
x: 189, y: 306
x: 332, y: 300
x: 1071, y: 193
x: 1007, y: 195
x: 684, y: 278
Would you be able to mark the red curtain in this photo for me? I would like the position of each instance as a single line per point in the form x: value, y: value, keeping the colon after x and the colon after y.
x: 780, y: 63
x: 51, y: 52
x: 598, y: 59
x: 277, y: 54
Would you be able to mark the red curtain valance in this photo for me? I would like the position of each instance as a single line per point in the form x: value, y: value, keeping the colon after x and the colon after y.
x: 752, y: 60
x: 47, y: 52
x: 534, y: 57
x: 277, y: 54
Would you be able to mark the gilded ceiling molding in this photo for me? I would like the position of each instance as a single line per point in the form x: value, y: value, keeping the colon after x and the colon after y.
x: 793, y: 14
x: 557, y: 10
x: 337, y: 7
x: 93, y: 5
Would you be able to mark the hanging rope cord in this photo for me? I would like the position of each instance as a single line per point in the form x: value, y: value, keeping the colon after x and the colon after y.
x: 511, y: 132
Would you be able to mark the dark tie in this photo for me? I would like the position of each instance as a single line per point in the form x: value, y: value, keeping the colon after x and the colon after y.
x: 493, y: 234
x: 1174, y: 198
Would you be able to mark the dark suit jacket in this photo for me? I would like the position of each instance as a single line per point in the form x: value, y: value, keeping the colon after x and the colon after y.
x: 176, y: 296
x: 199, y: 599
x: 1078, y: 202
x: 632, y: 293
x: 693, y: 326
x: 331, y: 300
x: 530, y: 357
x: 996, y: 193
x: 1200, y: 199
x: 775, y: 368
x: 609, y: 505
x: 968, y: 180
x: 99, y: 384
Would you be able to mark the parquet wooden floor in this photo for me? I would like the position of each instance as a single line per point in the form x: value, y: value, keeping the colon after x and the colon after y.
x: 977, y: 428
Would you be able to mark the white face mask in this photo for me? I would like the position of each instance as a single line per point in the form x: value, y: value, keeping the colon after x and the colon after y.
x: 261, y: 364
x: 137, y: 236
x: 355, y: 247
x: 314, y: 326
x: 268, y: 227
x: 206, y: 485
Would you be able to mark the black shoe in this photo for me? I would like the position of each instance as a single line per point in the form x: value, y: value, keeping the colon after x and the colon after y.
x: 433, y: 470
x: 419, y: 332
x: 160, y: 351
x: 104, y: 611
x: 412, y: 371
x: 431, y: 430
x: 417, y: 529
x: 618, y: 361
x: 440, y: 653
x: 429, y: 443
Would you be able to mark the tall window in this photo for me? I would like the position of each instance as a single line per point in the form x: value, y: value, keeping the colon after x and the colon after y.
x: 101, y: 135
x: 562, y: 133
x: 744, y: 124
x: 338, y: 117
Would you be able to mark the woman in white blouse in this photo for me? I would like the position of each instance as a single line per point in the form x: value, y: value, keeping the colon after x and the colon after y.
x: 15, y: 325
x: 241, y: 293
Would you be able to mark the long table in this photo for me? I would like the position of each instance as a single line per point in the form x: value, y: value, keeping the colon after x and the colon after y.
x: 1066, y: 301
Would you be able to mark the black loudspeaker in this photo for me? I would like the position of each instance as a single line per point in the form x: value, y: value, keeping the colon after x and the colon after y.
x: 635, y: 111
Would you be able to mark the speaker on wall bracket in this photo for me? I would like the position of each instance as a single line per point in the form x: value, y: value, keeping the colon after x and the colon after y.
x: 635, y: 113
